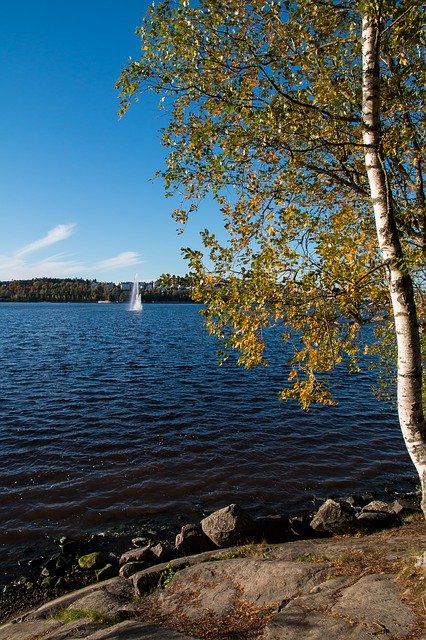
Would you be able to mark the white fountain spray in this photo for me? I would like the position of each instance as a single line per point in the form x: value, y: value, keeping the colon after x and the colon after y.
x: 135, y: 296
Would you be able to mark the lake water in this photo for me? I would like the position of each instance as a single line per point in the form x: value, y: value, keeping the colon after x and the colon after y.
x: 108, y: 416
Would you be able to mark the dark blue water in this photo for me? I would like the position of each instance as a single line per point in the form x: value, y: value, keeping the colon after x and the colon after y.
x: 108, y: 415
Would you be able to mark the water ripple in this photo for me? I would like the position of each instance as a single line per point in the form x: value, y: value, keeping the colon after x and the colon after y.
x: 107, y: 415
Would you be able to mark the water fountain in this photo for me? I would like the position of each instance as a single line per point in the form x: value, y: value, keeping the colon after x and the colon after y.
x: 135, y: 296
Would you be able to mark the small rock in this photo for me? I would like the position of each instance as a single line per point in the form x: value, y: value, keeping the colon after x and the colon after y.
x: 139, y: 542
x: 108, y: 571
x: 95, y: 560
x: 131, y: 568
x: 69, y: 545
x: 96, y: 538
x: 405, y: 507
x: 61, y: 583
x: 35, y: 562
x: 161, y: 552
x: 355, y: 501
x: 50, y: 566
x: 135, y: 555
x: 61, y: 565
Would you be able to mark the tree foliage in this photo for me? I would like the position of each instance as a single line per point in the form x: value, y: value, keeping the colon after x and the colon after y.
x: 265, y: 105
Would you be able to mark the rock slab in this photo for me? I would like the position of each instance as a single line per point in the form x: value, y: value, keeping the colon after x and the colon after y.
x: 368, y: 608
x: 286, y: 591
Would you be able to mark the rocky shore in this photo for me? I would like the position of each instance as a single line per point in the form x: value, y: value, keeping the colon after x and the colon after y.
x: 150, y: 559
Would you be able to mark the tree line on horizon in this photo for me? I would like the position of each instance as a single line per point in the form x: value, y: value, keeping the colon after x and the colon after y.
x: 167, y: 287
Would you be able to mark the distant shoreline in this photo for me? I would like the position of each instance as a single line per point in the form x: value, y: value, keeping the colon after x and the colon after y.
x: 145, y: 300
x: 166, y: 289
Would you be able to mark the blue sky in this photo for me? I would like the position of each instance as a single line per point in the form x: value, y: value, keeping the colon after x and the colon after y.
x: 76, y: 199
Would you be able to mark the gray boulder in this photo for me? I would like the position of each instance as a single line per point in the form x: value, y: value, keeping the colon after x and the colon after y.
x: 229, y: 526
x: 272, y: 528
x: 335, y: 517
x: 378, y: 506
x: 377, y: 514
x: 192, y: 539
x: 404, y: 507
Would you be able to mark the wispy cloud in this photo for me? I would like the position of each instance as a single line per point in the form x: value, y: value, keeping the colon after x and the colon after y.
x: 59, y: 265
x: 59, y: 233
x: 124, y: 259
x: 20, y: 264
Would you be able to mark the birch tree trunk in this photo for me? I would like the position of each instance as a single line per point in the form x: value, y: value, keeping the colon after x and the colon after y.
x: 409, y: 386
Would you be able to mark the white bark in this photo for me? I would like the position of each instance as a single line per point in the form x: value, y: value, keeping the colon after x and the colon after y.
x: 409, y: 391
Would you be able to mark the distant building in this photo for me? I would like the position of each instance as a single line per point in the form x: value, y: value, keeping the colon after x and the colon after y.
x: 147, y: 286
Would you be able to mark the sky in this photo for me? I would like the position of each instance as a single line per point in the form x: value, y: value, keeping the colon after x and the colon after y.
x: 78, y: 197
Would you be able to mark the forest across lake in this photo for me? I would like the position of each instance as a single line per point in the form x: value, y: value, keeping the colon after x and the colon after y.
x: 166, y: 289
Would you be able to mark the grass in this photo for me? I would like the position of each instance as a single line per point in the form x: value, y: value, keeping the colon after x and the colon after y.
x: 412, y: 578
x: 70, y: 615
x: 412, y: 582
x: 413, y: 518
x: 337, y: 561
x: 245, y: 551
x: 312, y: 557
x: 167, y: 576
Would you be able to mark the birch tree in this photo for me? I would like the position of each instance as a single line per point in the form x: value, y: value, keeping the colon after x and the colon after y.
x: 304, y: 122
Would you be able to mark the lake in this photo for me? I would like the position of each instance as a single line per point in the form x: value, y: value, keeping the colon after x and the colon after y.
x: 108, y: 416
